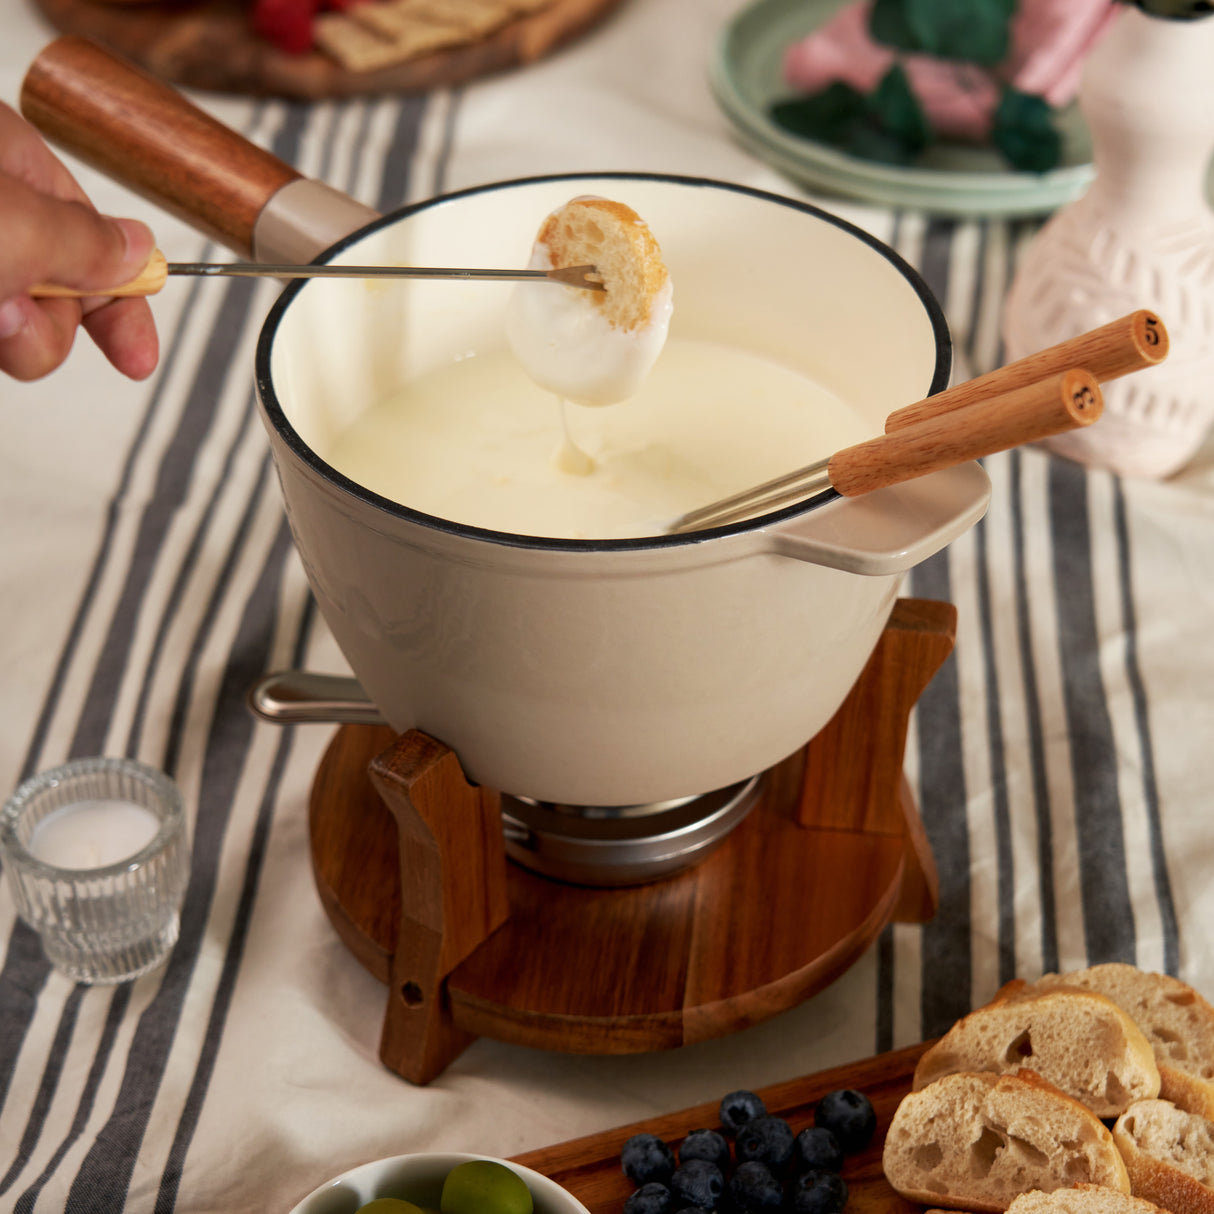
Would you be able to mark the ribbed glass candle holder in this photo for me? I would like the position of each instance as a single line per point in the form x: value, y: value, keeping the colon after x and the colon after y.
x: 115, y: 919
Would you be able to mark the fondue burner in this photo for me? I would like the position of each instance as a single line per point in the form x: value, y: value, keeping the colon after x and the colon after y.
x: 613, y: 845
x: 703, y: 915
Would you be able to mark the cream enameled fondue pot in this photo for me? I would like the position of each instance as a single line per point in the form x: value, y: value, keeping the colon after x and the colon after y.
x: 585, y: 672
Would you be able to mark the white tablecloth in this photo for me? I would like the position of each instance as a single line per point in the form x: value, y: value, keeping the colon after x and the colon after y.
x: 1062, y: 757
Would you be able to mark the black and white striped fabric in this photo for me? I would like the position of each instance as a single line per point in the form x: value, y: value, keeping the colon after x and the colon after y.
x: 1061, y: 757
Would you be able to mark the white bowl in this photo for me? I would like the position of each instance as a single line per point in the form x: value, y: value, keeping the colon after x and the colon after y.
x: 419, y: 1178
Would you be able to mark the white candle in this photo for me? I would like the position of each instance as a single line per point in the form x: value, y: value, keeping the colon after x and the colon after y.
x: 92, y: 834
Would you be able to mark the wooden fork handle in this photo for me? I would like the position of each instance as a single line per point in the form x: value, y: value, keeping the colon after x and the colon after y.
x: 147, y: 136
x: 1023, y: 415
x: 1128, y: 344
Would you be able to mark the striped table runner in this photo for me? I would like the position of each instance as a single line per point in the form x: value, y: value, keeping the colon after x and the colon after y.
x: 1061, y: 757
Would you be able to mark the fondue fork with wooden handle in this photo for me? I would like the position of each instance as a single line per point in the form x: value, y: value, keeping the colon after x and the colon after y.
x: 1023, y: 415
x: 157, y: 271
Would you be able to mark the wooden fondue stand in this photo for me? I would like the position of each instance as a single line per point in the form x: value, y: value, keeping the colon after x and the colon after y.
x: 411, y: 868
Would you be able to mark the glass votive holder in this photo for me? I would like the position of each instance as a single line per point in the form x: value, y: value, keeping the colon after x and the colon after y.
x: 97, y: 856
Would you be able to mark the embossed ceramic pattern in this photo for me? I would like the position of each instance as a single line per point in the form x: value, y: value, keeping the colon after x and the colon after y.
x: 1141, y: 237
x: 627, y: 671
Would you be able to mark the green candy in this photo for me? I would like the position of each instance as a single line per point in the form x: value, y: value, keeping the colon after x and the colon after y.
x: 389, y: 1205
x: 481, y: 1186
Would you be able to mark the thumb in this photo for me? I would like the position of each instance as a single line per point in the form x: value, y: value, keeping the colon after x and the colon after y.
x: 65, y: 242
x: 131, y: 241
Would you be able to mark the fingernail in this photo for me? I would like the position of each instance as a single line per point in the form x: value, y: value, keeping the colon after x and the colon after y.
x: 139, y: 240
x: 12, y: 318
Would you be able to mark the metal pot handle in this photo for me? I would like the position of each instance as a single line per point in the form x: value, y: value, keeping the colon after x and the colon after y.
x: 889, y: 530
x: 147, y: 136
x: 297, y: 697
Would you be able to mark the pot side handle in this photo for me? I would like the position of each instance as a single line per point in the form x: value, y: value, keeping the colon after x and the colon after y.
x: 147, y: 136
x: 888, y: 530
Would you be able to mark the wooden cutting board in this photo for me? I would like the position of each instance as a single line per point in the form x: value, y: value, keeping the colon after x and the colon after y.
x: 207, y: 44
x: 590, y: 1167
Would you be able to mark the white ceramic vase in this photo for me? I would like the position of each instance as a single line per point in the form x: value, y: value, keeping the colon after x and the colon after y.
x: 1142, y: 236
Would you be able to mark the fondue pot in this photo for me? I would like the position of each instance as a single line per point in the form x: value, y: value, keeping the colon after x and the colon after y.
x: 583, y: 672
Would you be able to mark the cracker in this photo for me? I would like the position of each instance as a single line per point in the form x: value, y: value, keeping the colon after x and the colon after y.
x: 397, y: 21
x: 381, y: 33
x: 477, y: 17
x: 360, y: 49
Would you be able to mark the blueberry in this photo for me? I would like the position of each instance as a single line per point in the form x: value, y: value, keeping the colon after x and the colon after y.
x: 754, y: 1189
x: 645, y: 1158
x: 817, y: 1148
x: 819, y: 1192
x: 651, y: 1198
x: 740, y: 1107
x: 697, y: 1183
x: 848, y: 1115
x: 705, y: 1144
x: 766, y: 1140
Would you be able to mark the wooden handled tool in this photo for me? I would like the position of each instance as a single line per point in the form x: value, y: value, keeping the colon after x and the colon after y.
x: 1128, y: 344
x: 157, y: 271
x: 1023, y: 415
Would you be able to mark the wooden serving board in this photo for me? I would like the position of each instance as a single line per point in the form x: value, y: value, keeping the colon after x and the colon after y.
x: 590, y: 1167
x: 208, y: 44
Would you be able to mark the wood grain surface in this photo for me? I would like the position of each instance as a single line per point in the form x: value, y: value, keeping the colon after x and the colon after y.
x: 208, y: 44
x: 590, y: 1167
x: 1023, y: 415
x: 1130, y: 343
x: 404, y: 849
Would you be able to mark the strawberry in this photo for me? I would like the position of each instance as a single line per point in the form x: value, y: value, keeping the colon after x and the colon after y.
x: 286, y: 23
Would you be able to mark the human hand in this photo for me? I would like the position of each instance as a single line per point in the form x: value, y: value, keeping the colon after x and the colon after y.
x: 50, y: 232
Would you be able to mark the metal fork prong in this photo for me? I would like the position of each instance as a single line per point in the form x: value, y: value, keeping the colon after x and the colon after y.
x: 586, y: 277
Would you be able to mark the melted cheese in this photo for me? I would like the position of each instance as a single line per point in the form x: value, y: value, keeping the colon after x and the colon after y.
x: 567, y: 344
x: 479, y: 443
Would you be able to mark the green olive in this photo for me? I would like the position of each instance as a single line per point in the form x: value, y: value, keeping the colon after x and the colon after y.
x: 481, y: 1186
x: 389, y: 1205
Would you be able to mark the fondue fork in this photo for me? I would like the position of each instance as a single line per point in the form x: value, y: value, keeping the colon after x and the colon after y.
x: 157, y: 271
x: 1010, y: 419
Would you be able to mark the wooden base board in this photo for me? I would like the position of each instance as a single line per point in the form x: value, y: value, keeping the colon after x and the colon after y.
x: 208, y: 44
x: 589, y: 1167
x: 410, y: 867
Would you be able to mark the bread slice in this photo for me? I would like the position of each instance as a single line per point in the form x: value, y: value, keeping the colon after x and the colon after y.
x: 1079, y: 1041
x: 1169, y: 1155
x: 1081, y: 1199
x: 614, y: 239
x: 975, y: 1141
x: 1175, y: 1019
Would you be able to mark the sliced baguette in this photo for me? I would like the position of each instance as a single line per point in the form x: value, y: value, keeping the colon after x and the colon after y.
x: 1169, y: 1155
x: 1081, y: 1199
x: 614, y: 239
x: 1176, y: 1020
x: 975, y: 1141
x: 1078, y: 1040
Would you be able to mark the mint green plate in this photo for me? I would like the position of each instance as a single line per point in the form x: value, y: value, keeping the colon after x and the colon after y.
x: 746, y: 77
